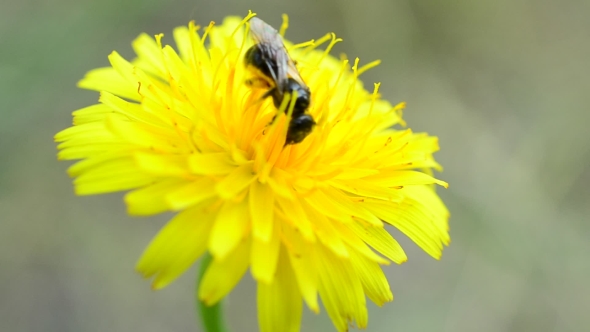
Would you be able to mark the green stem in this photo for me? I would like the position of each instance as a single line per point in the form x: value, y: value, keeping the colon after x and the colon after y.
x: 211, y: 316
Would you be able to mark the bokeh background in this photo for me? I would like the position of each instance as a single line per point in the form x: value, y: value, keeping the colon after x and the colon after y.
x: 503, y: 83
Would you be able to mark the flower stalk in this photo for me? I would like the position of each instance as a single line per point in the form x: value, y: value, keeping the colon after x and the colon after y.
x: 211, y: 316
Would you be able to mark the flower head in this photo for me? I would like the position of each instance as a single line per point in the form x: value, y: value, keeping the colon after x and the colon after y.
x: 184, y: 133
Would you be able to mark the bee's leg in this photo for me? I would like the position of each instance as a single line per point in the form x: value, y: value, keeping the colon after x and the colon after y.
x: 268, y: 93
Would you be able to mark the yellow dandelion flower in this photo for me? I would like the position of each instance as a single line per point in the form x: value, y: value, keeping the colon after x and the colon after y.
x: 183, y: 132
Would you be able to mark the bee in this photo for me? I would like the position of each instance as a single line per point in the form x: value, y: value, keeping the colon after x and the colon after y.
x: 277, y: 72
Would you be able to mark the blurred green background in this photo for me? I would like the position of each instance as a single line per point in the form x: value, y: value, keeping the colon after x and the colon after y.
x: 504, y: 84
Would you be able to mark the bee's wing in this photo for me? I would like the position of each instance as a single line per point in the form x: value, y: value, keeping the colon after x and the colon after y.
x: 273, y: 47
x: 282, y: 69
x: 294, y: 73
x: 262, y: 32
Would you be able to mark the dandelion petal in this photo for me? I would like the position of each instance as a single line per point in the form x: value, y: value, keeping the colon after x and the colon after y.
x: 261, y: 210
x: 177, y: 246
x: 151, y: 200
x: 222, y: 275
x: 229, y: 230
x: 236, y: 181
x: 264, y: 258
x: 341, y: 291
x: 372, y: 278
x: 279, y: 303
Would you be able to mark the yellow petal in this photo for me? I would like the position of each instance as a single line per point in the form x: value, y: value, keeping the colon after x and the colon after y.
x: 132, y: 111
x: 302, y: 259
x: 295, y: 214
x: 404, y: 178
x: 355, y: 173
x: 211, y: 163
x: 264, y: 258
x: 125, y: 69
x: 108, y: 79
x: 151, y: 200
x: 148, y: 87
x: 367, y: 189
x: 412, y: 161
x: 150, y: 53
x: 94, y: 113
x: 153, y: 138
x: 96, y: 160
x: 345, y: 204
x: 222, y: 275
x: 262, y: 203
x: 231, y: 226
x: 183, y: 80
x: 91, y: 138
x: 87, y: 130
x: 372, y: 278
x: 88, y: 140
x: 90, y: 150
x: 353, y: 241
x: 423, y: 143
x: 279, y: 303
x: 236, y: 181
x: 326, y: 232
x: 432, y: 207
x: 414, y: 219
x: 182, y: 39
x: 279, y: 183
x: 117, y: 175
x: 176, y: 246
x: 192, y: 193
x: 163, y: 164
x: 341, y: 291
x: 380, y: 240
x: 327, y: 207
